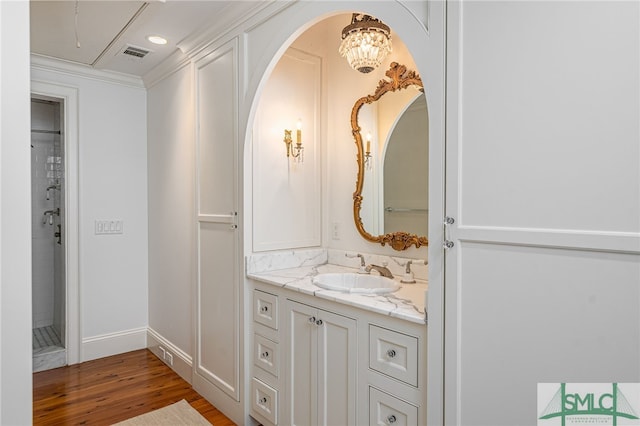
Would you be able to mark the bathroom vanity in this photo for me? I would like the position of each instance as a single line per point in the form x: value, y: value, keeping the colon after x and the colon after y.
x: 334, y: 358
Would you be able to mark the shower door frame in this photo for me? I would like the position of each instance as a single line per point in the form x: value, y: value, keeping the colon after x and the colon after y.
x: 69, y: 97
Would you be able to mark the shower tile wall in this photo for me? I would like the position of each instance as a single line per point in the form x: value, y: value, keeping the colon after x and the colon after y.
x: 47, y: 171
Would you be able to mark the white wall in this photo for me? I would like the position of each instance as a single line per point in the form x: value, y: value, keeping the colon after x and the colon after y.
x: 112, y: 186
x: 543, y: 178
x: 15, y: 211
x: 287, y: 194
x: 171, y: 162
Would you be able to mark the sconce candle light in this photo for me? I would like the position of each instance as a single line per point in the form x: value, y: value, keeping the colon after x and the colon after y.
x: 367, y: 154
x: 297, y: 152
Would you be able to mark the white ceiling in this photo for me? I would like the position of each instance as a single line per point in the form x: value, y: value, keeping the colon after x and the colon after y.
x: 105, y: 28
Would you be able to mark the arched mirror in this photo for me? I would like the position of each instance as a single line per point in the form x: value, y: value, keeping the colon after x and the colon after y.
x: 390, y: 128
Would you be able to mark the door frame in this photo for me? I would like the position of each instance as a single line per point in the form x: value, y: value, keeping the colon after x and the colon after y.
x: 69, y: 96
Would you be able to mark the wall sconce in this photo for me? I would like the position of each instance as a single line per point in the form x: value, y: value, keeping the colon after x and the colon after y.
x: 297, y: 152
x: 367, y: 153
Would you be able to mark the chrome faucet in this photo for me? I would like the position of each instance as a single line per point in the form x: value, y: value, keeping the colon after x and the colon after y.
x: 383, y: 270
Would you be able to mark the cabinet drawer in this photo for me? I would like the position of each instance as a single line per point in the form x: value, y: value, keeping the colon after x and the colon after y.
x: 265, y: 309
x: 385, y: 410
x: 394, y: 354
x: 264, y: 400
x: 266, y: 354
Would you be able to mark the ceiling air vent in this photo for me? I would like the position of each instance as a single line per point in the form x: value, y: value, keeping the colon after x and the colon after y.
x: 136, y: 52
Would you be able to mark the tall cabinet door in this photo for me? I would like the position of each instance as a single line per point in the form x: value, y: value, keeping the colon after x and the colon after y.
x: 301, y: 363
x: 544, y: 267
x: 321, y: 363
x: 216, y: 363
x: 336, y: 369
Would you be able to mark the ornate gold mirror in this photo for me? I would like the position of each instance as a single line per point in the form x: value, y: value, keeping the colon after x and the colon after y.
x: 387, y: 168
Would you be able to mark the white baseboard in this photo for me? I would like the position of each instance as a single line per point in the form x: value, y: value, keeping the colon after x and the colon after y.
x: 167, y: 351
x: 113, y: 343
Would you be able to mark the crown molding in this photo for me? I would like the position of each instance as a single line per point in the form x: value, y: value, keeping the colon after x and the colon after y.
x: 232, y: 19
x: 47, y: 63
x: 172, y: 64
x: 236, y: 15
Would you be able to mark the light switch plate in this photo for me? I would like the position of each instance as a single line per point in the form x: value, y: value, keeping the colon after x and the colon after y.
x: 109, y: 227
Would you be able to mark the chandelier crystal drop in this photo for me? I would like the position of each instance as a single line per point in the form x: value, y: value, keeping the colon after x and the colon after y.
x: 365, y: 42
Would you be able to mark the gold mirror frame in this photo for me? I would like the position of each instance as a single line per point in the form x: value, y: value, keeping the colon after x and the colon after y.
x: 399, y: 78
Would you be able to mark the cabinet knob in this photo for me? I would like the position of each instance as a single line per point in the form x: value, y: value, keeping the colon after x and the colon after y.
x: 264, y: 309
x: 391, y: 419
x: 391, y: 353
x: 319, y: 322
x: 312, y: 320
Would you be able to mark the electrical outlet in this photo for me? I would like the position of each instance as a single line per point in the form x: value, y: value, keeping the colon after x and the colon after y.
x: 162, y: 350
x: 335, y: 231
x: 169, y: 358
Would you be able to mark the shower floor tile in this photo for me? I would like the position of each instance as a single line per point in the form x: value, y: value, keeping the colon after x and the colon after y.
x: 48, y: 351
x: 45, y: 337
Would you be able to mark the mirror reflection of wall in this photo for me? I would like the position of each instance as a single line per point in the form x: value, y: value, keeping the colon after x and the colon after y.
x: 396, y: 189
x: 371, y: 210
x: 406, y: 175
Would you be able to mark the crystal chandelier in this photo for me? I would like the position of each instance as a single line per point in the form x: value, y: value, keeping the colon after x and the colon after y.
x: 365, y: 42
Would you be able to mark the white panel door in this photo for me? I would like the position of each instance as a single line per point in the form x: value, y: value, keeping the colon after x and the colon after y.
x: 217, y: 297
x: 543, y: 182
x: 336, y: 369
x: 302, y: 350
x: 321, y: 364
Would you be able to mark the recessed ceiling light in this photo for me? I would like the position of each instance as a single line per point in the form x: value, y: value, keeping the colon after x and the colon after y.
x: 155, y: 39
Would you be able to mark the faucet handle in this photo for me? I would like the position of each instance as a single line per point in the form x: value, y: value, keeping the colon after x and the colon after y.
x: 362, y: 263
x: 408, y: 277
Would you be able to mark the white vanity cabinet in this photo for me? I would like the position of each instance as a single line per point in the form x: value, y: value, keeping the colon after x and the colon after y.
x: 320, y: 362
x: 321, y: 366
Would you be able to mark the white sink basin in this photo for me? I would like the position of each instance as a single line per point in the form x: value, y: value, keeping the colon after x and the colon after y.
x: 349, y: 282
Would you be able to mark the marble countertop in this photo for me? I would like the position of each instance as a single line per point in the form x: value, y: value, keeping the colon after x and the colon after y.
x: 406, y: 303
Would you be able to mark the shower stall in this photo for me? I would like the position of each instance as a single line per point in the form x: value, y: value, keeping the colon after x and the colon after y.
x: 48, y: 225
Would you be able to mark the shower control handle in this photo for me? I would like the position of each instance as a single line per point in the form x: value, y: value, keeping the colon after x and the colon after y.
x: 58, y: 234
x: 50, y: 213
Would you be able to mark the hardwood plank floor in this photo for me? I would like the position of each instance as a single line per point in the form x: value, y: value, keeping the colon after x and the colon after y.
x: 112, y: 389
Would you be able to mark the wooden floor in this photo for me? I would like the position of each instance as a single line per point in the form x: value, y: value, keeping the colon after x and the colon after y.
x: 109, y: 390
